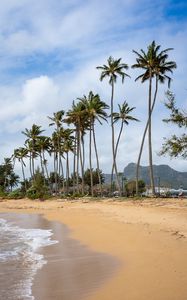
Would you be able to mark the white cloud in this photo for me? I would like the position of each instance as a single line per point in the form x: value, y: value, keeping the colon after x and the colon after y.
x: 37, y: 98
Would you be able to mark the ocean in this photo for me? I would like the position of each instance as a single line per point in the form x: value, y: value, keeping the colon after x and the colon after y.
x: 20, y: 258
x: 40, y: 261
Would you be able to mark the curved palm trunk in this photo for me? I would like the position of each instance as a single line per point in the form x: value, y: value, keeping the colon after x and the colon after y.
x: 117, y: 143
x: 90, y: 160
x: 113, y: 143
x: 97, y: 159
x: 150, y: 140
x: 143, y: 139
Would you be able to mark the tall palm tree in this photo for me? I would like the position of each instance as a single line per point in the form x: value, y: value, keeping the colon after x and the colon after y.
x: 68, y: 146
x: 57, y: 120
x: 8, y: 168
x: 55, y: 151
x: 76, y: 116
x: 20, y: 154
x: 155, y: 65
x: 32, y: 136
x: 95, y: 110
x: 43, y: 145
x: 112, y: 70
x: 124, y: 116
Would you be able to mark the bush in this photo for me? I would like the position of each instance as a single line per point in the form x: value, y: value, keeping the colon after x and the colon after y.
x: 3, y: 194
x: 33, y: 193
x: 38, y: 190
x: 17, y: 194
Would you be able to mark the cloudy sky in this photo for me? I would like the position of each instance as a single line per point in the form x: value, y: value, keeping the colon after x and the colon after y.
x: 48, y: 57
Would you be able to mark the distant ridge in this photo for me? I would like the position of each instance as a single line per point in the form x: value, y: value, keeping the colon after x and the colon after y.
x: 163, y: 175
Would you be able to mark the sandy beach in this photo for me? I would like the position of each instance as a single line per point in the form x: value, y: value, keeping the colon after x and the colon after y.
x: 148, y: 238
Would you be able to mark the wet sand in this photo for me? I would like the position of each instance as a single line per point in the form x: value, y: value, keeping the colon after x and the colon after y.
x: 73, y: 271
x: 149, y: 238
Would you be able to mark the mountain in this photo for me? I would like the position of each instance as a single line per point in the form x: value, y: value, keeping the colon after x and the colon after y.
x: 163, y: 175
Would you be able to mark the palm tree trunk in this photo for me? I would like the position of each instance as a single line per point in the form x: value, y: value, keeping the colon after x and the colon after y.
x: 97, y: 159
x: 42, y: 167
x: 45, y: 166
x: 55, y: 170
x: 74, y: 163
x: 150, y: 139
x: 83, y: 160
x: 90, y: 160
x: 117, y: 144
x: 46, y: 170
x: 30, y: 165
x: 67, y: 173
x: 113, y: 143
x: 23, y: 173
x: 33, y: 172
x: 62, y: 170
x: 143, y: 139
x: 78, y: 156
x: 82, y: 170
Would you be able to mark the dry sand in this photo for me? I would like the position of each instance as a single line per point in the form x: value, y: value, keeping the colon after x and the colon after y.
x: 148, y: 237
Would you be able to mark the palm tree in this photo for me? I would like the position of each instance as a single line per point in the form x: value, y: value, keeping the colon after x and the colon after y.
x: 124, y: 116
x: 43, y: 145
x: 68, y: 146
x: 76, y: 116
x: 20, y: 154
x: 13, y: 180
x: 8, y: 168
x: 155, y: 65
x: 57, y: 120
x: 55, y: 151
x: 112, y: 70
x: 32, y: 135
x: 95, y: 110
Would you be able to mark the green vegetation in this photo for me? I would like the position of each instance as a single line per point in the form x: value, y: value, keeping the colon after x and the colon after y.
x: 131, y: 187
x: 176, y: 145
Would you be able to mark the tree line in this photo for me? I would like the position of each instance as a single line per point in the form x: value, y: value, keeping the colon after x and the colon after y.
x: 71, y: 127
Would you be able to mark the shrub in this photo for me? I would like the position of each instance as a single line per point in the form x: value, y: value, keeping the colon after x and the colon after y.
x: 16, y: 194
x: 3, y: 194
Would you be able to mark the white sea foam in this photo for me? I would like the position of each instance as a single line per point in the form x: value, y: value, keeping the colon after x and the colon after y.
x: 19, y: 246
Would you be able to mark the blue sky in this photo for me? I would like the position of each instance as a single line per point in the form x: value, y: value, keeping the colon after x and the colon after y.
x: 49, y: 51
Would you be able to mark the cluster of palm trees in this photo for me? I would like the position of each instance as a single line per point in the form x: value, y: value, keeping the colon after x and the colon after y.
x: 69, y: 137
x: 71, y: 127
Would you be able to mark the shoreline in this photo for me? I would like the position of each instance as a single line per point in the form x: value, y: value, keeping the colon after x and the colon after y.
x: 148, y: 237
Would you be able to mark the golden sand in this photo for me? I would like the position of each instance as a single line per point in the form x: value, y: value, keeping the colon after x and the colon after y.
x: 149, y: 238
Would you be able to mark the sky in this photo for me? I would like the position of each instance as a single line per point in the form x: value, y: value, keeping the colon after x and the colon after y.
x: 48, y: 57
